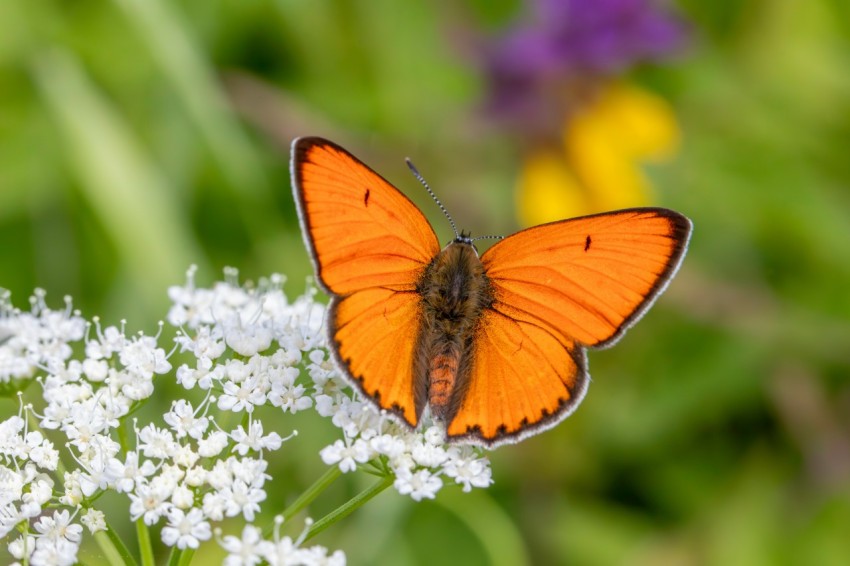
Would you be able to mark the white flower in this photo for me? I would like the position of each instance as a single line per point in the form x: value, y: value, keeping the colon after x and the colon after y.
x: 60, y: 552
x: 347, y: 456
x: 254, y: 439
x: 132, y: 385
x: 356, y: 418
x: 11, y: 485
x: 249, y: 339
x: 40, y: 492
x: 249, y: 470
x: 95, y: 475
x: 73, y: 495
x: 428, y: 455
x: 248, y: 550
x: 124, y: 475
x: 326, y: 405
x: 242, y: 498
x: 285, y: 552
x: 184, y: 456
x: 95, y: 370
x: 140, y: 356
x: 318, y: 556
x: 213, y: 444
x: 9, y: 518
x: 182, y: 497
x: 215, y: 505
x: 181, y: 418
x: 59, y: 526
x: 420, y: 484
x: 237, y: 371
x: 467, y: 470
x: 207, y: 344
x: 109, y: 341
x: 44, y: 455
x: 242, y: 397
x: 94, y: 520
x: 156, y: 442
x: 22, y: 547
x: 186, y: 530
x: 285, y: 393
x: 169, y: 476
x: 10, y: 430
x: 195, y: 476
x: 388, y: 445
x: 434, y: 435
x: 221, y: 475
x: 150, y: 502
x: 189, y: 377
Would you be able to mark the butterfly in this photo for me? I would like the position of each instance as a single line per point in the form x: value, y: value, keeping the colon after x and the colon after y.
x: 495, y: 345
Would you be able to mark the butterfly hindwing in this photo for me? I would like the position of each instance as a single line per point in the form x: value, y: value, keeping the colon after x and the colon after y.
x: 522, y: 376
x: 373, y: 332
x: 369, y: 244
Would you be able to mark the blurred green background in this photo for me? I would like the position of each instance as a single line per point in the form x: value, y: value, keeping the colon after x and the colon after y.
x: 140, y: 136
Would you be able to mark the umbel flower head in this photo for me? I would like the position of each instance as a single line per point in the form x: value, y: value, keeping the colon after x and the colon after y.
x: 556, y: 82
x: 236, y: 349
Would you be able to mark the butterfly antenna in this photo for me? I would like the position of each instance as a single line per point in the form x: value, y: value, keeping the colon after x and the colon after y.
x: 418, y: 175
x: 488, y: 238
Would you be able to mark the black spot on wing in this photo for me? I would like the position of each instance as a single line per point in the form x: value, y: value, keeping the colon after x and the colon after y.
x: 587, y: 243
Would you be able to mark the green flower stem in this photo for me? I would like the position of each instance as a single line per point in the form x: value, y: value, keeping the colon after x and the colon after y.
x: 312, y: 492
x: 180, y: 557
x: 113, y: 548
x: 145, y: 548
x: 25, y: 531
x: 345, y: 509
x: 122, y: 435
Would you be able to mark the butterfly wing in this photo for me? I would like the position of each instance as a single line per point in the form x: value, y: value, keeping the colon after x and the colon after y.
x: 559, y: 288
x: 369, y: 244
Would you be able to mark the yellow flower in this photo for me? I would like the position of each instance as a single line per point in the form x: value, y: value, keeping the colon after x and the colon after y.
x: 598, y: 167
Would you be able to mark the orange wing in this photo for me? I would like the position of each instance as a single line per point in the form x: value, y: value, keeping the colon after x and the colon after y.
x: 559, y: 288
x: 369, y: 244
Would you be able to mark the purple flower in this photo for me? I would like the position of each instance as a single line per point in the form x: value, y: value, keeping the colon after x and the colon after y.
x: 569, y: 44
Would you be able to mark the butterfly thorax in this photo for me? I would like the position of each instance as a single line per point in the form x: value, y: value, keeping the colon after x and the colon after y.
x: 454, y: 291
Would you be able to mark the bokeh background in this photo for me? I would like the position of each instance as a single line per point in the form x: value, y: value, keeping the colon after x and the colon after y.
x: 138, y: 137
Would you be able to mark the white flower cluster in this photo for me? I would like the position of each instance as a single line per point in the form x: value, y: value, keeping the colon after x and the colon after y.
x: 418, y: 459
x: 246, y: 349
x: 251, y: 548
x: 38, y: 339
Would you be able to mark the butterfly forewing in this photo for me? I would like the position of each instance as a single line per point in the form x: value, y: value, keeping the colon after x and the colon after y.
x: 588, y: 278
x: 370, y: 245
x: 361, y: 230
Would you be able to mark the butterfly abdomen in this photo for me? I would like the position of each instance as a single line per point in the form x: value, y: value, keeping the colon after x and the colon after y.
x: 454, y: 291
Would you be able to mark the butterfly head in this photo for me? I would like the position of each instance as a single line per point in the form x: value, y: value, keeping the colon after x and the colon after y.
x: 464, y: 238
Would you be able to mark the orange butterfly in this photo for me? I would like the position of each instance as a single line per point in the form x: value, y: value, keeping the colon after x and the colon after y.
x: 495, y: 345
